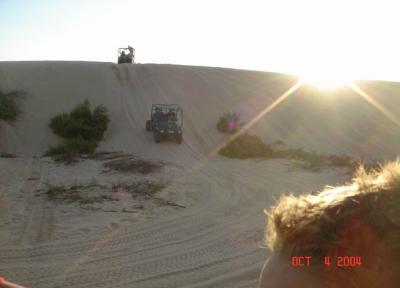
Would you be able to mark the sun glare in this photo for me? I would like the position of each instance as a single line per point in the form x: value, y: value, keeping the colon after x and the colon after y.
x: 326, y: 80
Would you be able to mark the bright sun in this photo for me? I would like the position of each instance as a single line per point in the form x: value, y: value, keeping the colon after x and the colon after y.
x: 324, y: 80
x: 325, y: 73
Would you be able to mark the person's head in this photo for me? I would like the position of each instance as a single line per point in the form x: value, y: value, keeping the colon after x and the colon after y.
x: 123, y: 53
x: 361, y: 219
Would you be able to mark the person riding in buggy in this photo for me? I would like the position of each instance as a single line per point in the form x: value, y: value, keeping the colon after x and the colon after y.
x: 166, y: 121
x: 126, y: 55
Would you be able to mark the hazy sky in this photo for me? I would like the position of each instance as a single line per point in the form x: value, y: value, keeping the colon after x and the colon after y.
x: 355, y: 38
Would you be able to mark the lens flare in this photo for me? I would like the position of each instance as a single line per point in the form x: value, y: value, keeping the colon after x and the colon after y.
x: 326, y: 80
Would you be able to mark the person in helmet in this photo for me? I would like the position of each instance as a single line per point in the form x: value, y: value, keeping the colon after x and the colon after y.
x: 158, y: 115
x: 123, y: 56
x: 171, y: 115
x: 130, y: 54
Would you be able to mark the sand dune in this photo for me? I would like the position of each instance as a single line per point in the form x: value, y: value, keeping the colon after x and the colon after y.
x: 214, y: 242
x: 340, y: 122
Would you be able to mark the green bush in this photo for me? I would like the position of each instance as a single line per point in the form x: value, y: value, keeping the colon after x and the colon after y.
x: 81, y: 123
x: 81, y: 130
x: 9, y: 108
x: 228, y: 123
x: 247, y: 146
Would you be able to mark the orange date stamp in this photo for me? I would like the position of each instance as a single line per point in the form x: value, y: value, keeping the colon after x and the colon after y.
x: 338, y: 261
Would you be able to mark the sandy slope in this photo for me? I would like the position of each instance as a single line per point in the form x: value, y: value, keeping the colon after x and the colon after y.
x: 214, y: 242
x: 341, y: 123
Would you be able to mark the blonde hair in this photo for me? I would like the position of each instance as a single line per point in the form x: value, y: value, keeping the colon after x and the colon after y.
x: 312, y: 224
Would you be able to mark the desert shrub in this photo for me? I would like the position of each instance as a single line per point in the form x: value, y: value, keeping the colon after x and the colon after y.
x: 247, y: 146
x: 81, y: 130
x: 228, y: 123
x: 69, y: 150
x: 101, y: 120
x: 9, y: 108
x: 81, y: 122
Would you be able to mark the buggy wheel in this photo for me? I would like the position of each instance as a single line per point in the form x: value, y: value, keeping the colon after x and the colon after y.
x: 179, y: 138
x: 157, y: 137
x: 148, y: 125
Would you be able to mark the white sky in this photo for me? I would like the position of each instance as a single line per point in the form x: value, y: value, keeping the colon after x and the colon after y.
x: 357, y: 39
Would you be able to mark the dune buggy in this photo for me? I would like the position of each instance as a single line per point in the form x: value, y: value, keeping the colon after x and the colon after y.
x: 126, y: 55
x: 166, y: 121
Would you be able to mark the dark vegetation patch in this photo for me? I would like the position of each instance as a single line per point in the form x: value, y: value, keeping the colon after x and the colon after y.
x: 228, y: 123
x: 146, y: 189
x: 7, y: 155
x: 314, y: 161
x: 81, y: 130
x: 141, y: 192
x: 9, y: 106
x: 105, y: 155
x: 75, y: 194
x: 249, y: 146
x: 70, y: 150
x: 133, y: 165
x: 94, y: 193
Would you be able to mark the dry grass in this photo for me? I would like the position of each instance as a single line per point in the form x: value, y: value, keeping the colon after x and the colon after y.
x: 134, y: 165
x: 141, y: 188
x: 249, y: 146
x: 75, y: 194
x: 141, y: 192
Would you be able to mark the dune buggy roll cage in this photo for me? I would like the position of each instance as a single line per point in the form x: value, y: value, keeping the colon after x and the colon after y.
x: 167, y: 107
x: 127, y: 51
